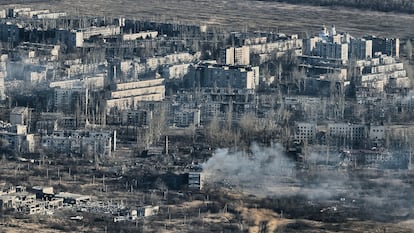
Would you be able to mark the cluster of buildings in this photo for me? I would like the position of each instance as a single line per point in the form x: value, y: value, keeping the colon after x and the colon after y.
x: 36, y: 200
x: 377, y: 74
x: 100, y: 74
x: 370, y: 62
x: 340, y: 133
x: 16, y: 138
x: 43, y: 200
x: 15, y: 134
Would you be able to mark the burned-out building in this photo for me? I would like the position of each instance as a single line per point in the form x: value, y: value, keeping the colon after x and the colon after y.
x: 91, y: 142
x: 207, y: 75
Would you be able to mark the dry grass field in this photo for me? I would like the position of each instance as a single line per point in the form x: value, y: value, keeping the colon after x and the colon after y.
x: 239, y: 14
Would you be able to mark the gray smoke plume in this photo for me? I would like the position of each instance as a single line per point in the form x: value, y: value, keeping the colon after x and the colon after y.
x: 254, y: 172
x: 384, y: 195
x: 320, y: 186
x: 268, y: 171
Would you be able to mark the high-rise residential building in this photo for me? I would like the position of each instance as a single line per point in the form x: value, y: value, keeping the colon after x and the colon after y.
x: 223, y: 76
x: 3, y: 74
x: 390, y: 47
x: 235, y: 56
x: 332, y: 45
x: 332, y: 50
x: 128, y: 95
x: 360, y: 48
x: 328, y: 44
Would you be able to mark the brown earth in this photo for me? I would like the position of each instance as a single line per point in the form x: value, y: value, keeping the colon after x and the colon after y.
x: 240, y: 14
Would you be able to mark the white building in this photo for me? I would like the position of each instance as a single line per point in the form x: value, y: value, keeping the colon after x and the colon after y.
x: 95, y: 82
x: 332, y: 45
x: 153, y: 63
x: 140, y: 35
x: 147, y: 211
x: 235, y: 56
x: 54, y: 15
x: 283, y: 45
x: 3, y: 74
x: 3, y: 14
x: 128, y: 95
x: 110, y: 30
x: 378, y: 72
x: 175, y: 71
x: 28, y: 13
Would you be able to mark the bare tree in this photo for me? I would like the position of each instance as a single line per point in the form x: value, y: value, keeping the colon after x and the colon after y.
x: 155, y: 129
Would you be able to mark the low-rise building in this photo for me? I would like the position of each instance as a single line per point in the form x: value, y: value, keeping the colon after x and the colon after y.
x: 109, y: 30
x: 282, y: 44
x: 147, y: 211
x: 377, y: 133
x: 140, y: 35
x: 195, y: 180
x: 92, y: 82
x: 29, y: 203
x: 73, y: 198
x: 80, y: 142
x: 52, y: 15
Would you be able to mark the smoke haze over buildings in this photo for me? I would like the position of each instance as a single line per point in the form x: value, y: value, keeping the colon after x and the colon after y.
x: 269, y: 172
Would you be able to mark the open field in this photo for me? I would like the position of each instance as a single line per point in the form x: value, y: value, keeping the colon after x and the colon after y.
x: 241, y: 14
x: 406, y: 6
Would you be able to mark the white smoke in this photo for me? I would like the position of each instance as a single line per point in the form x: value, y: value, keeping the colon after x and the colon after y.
x: 249, y: 172
x: 268, y: 171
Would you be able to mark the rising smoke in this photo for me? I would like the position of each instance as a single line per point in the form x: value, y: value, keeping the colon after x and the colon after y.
x: 256, y: 172
x: 268, y: 171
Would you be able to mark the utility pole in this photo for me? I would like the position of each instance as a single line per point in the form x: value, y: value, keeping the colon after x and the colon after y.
x: 409, y: 158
